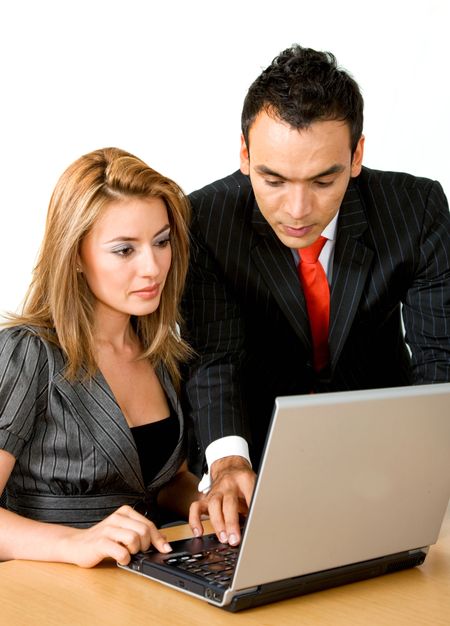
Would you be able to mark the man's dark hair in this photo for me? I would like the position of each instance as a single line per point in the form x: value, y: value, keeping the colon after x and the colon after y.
x: 302, y: 86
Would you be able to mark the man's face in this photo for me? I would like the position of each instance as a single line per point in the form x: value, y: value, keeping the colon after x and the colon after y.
x: 299, y: 177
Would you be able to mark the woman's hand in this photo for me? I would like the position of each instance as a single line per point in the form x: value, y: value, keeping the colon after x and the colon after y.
x: 119, y: 535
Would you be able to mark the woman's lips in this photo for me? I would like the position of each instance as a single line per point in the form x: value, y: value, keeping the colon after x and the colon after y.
x: 147, y: 293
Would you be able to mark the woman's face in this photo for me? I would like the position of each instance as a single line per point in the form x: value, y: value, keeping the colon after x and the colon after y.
x: 126, y: 256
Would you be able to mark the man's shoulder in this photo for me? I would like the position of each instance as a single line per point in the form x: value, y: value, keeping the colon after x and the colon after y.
x: 223, y: 207
x: 232, y: 186
x: 395, y: 198
x: 373, y: 178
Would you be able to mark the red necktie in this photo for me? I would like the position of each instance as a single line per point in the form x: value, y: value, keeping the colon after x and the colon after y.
x: 317, y: 295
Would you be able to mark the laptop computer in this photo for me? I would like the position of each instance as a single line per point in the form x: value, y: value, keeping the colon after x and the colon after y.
x: 352, y: 485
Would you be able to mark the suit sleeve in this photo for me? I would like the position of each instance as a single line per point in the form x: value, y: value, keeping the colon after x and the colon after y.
x: 426, y: 310
x: 22, y: 361
x: 215, y: 331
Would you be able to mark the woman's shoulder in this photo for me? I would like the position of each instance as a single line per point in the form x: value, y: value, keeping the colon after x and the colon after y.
x: 19, y: 332
x: 24, y: 342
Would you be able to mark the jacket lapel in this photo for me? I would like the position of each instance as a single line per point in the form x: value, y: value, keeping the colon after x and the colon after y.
x: 93, y: 406
x: 352, y: 260
x: 351, y: 263
x: 277, y: 267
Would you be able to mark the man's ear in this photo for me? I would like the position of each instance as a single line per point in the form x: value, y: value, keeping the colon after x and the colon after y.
x: 244, y: 157
x: 358, y: 158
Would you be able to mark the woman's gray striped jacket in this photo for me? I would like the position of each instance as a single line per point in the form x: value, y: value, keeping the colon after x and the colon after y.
x: 76, y: 460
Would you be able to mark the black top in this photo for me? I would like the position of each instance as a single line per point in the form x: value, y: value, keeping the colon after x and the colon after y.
x: 155, y: 442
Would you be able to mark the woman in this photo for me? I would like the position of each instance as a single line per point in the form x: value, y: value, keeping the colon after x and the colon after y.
x: 91, y: 430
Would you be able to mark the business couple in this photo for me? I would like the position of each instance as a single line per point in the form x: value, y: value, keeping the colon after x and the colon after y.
x: 303, y: 265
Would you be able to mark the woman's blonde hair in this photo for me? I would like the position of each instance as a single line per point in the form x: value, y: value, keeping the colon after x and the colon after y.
x: 59, y: 301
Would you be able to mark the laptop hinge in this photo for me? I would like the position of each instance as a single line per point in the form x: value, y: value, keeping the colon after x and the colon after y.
x: 231, y: 594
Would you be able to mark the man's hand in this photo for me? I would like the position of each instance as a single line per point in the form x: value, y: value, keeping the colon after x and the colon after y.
x: 230, y: 495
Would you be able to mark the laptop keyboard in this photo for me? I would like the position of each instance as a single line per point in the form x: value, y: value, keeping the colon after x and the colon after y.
x: 215, y: 565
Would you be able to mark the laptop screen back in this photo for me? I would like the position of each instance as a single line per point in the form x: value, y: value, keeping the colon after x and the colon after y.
x: 347, y: 477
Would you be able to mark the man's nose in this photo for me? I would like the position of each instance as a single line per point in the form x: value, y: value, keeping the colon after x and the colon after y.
x: 299, y: 201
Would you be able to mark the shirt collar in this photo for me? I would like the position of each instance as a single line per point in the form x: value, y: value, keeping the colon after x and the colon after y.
x: 330, y: 230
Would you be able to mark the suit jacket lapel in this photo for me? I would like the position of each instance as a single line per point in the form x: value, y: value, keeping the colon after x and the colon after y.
x: 277, y: 267
x: 352, y: 260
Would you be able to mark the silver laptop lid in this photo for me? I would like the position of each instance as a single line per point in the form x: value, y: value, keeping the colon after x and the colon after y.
x: 347, y: 477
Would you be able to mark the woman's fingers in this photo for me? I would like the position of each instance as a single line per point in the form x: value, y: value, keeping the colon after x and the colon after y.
x: 121, y: 534
x: 114, y: 550
x: 143, y: 530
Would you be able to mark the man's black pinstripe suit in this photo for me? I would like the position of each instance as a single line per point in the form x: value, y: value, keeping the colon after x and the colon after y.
x: 245, y: 312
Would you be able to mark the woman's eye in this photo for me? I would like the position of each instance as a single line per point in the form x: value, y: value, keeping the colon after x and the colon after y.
x: 124, y: 251
x: 163, y: 242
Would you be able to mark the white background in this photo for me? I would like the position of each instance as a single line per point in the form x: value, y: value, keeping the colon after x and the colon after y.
x: 166, y: 81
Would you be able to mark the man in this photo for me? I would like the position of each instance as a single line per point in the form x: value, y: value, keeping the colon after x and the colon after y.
x: 266, y: 318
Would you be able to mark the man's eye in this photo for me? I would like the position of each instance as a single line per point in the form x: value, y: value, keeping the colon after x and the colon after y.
x: 324, y: 183
x: 274, y: 183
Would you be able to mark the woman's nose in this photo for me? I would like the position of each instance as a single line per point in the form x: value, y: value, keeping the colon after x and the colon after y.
x: 148, y: 264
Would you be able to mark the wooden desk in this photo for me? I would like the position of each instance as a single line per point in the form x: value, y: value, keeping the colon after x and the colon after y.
x: 52, y: 594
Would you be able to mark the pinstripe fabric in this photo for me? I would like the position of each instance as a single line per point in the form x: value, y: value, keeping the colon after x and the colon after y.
x: 76, y: 457
x: 246, y: 316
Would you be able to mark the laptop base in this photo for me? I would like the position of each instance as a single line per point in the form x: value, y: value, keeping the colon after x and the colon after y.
x: 153, y: 565
x: 310, y: 583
